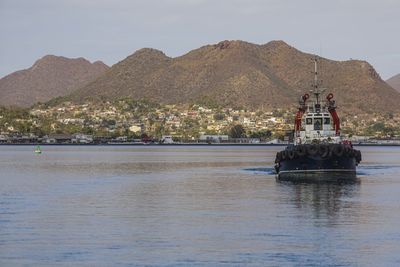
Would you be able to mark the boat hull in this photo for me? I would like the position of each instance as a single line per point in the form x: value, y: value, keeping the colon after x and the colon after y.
x: 333, y: 175
x: 318, y: 167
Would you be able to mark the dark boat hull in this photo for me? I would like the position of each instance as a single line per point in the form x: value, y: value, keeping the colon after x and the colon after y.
x: 317, y: 167
x: 331, y: 175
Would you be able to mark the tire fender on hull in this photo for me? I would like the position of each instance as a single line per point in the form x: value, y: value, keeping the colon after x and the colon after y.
x: 323, y: 150
x: 290, y: 154
x: 301, y: 151
x: 338, y: 150
x: 312, y: 150
x: 278, y: 157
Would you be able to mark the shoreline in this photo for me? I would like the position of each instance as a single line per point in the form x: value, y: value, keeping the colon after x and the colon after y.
x: 174, y: 144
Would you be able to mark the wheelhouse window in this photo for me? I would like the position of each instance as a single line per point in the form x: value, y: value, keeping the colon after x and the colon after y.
x: 327, y: 120
x: 317, y: 124
x: 309, y: 121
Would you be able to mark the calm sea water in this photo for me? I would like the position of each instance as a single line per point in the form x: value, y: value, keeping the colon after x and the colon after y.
x: 191, y: 206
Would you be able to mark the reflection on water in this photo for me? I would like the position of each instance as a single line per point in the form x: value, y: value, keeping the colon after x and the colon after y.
x: 189, y: 206
x: 325, y: 199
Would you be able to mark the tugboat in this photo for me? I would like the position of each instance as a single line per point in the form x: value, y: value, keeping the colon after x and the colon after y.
x: 319, y: 152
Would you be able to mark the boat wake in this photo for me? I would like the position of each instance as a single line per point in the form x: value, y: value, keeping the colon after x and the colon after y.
x: 269, y: 171
x: 367, y: 170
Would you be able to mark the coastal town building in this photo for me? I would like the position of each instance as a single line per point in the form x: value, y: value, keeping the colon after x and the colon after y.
x: 83, y: 123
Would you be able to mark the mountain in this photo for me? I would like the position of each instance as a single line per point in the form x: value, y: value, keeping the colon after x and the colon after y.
x: 241, y: 74
x: 49, y: 77
x: 394, y: 82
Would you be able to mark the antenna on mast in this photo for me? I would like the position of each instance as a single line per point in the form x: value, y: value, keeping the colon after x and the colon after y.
x: 315, y: 85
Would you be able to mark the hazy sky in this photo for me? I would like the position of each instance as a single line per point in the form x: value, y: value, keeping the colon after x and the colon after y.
x: 112, y: 30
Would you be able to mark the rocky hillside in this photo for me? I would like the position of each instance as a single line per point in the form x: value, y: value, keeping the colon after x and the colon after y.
x: 238, y: 73
x: 394, y: 82
x: 49, y: 77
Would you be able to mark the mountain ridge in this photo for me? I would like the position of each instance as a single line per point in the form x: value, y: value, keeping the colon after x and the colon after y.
x: 394, y: 82
x: 50, y: 76
x: 238, y: 73
x: 231, y: 73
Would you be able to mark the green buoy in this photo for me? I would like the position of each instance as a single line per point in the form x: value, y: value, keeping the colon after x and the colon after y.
x: 38, y: 150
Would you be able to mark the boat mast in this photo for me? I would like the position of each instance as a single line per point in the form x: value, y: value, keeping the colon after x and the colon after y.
x: 316, y: 91
x: 316, y: 80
